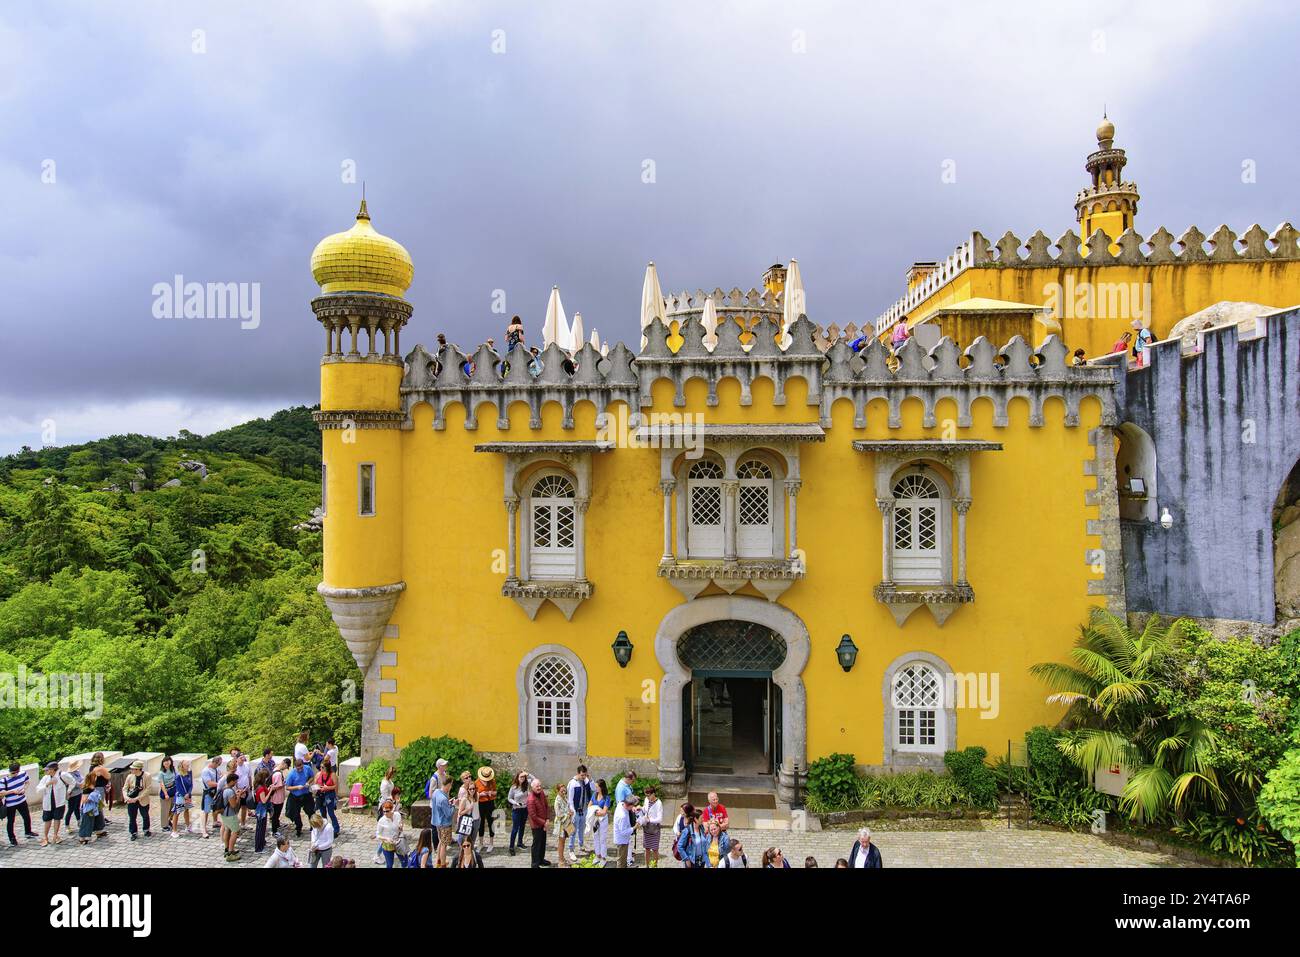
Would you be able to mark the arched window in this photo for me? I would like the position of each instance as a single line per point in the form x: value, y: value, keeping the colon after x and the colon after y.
x: 552, y: 690
x: 918, y: 530
x: 754, y: 510
x: 918, y: 708
x: 704, y: 504
x: 553, y: 522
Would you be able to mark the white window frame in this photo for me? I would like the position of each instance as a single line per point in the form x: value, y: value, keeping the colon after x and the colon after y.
x: 756, y: 541
x: 899, y: 753
x: 374, y: 490
x: 557, y: 563
x: 913, y: 565
x: 530, y: 740
x: 910, y: 719
x: 701, y: 540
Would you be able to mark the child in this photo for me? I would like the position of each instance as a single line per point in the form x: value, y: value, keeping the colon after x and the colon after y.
x: 90, y: 810
x: 262, y: 800
x: 282, y: 856
x: 322, y: 843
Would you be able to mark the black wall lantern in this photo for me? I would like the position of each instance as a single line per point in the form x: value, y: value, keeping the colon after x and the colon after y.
x: 623, y: 649
x: 847, y: 652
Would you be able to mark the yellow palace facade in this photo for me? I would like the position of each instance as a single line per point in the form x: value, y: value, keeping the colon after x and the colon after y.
x: 745, y: 545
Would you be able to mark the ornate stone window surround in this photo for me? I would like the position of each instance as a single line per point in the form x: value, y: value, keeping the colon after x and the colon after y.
x: 532, y: 743
x: 898, y: 756
x: 892, y: 458
x: 771, y: 575
x: 525, y: 464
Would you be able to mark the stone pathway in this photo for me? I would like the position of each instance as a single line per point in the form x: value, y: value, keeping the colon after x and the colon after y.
x: 975, y: 844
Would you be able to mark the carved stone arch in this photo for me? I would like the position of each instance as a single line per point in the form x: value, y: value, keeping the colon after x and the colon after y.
x: 794, y: 701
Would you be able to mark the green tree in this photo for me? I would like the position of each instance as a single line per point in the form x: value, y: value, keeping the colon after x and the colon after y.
x: 1113, y: 686
x: 54, y: 538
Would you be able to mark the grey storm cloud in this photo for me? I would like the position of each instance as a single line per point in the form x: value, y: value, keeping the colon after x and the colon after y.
x: 504, y: 145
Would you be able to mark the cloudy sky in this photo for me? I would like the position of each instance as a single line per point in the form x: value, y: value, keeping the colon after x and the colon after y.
x: 505, y: 145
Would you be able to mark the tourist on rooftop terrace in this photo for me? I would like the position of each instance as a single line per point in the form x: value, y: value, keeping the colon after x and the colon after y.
x: 514, y: 333
x: 1142, y: 343
x: 900, y: 333
x: 1122, y: 343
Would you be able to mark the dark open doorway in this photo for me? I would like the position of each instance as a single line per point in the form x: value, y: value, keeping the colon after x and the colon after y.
x: 731, y: 724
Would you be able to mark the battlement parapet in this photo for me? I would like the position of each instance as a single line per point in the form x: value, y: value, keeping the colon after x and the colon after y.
x: 1160, y: 248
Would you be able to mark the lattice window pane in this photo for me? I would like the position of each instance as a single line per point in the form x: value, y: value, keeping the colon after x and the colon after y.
x: 902, y: 528
x: 706, y: 505
x: 553, y: 678
x: 705, y: 469
x: 553, y: 486
x: 731, y: 646
x: 564, y: 527
x: 927, y: 521
x: 542, y: 526
x: 917, y: 686
x: 753, y: 501
x: 754, y: 469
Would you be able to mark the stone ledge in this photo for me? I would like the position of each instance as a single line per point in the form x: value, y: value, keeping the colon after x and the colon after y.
x: 941, y: 600
x: 564, y: 595
x: 771, y: 576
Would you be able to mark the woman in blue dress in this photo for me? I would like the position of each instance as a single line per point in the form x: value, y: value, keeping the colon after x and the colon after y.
x: 182, y: 797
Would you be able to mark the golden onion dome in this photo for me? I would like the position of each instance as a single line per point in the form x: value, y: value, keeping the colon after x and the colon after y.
x: 1105, y: 130
x: 362, y: 260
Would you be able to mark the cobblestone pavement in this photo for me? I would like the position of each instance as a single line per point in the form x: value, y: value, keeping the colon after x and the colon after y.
x: 986, y: 844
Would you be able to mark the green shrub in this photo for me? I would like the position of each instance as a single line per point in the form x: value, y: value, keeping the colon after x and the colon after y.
x: 974, y: 776
x: 418, y: 759
x: 1249, y: 839
x: 832, y: 783
x: 1279, y: 799
x: 1069, y: 803
x: 1046, y: 762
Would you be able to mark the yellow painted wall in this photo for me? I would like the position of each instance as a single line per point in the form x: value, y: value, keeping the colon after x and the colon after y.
x: 1176, y: 291
x: 461, y: 642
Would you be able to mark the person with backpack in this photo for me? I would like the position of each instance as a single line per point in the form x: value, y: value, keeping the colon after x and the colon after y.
x: 136, y: 791
x: 441, y: 816
x: 14, y: 790
x: 209, y: 783
x: 579, y: 795
x: 423, y: 855
x: 735, y: 856
x: 230, y: 805
x: 692, y: 844
x: 1142, y: 341
x: 182, y: 798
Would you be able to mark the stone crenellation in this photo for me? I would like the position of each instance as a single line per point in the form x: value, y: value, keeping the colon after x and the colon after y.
x: 831, y: 372
x: 1160, y: 248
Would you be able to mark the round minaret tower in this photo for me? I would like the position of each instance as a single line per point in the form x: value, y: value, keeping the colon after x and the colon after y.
x: 1109, y: 204
x: 363, y: 276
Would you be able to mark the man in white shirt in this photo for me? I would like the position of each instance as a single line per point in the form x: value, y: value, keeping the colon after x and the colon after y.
x: 300, y: 750
x: 864, y: 853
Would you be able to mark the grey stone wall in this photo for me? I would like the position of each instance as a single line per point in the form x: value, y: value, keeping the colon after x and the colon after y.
x: 1226, y: 427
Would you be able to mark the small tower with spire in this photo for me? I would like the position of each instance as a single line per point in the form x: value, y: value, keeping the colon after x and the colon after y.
x: 1109, y: 204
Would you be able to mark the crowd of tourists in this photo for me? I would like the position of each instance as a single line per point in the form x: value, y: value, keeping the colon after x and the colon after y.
x: 591, y: 826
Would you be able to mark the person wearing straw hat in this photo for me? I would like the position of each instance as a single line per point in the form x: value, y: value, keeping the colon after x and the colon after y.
x: 136, y: 792
x: 486, y: 786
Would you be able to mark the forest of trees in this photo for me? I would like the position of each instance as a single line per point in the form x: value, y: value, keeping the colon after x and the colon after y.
x: 194, y: 596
